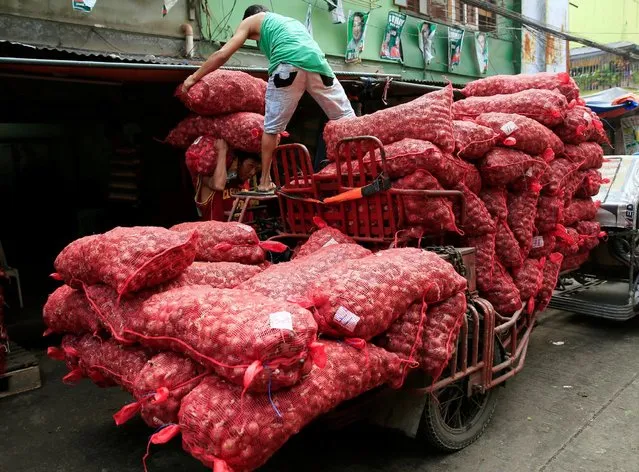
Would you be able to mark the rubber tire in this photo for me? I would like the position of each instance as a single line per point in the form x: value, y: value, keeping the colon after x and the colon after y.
x: 438, y: 437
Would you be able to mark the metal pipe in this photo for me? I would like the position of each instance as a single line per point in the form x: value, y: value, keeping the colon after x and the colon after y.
x: 187, y: 29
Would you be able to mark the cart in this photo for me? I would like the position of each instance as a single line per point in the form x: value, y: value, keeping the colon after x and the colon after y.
x: 606, y: 285
x: 453, y: 411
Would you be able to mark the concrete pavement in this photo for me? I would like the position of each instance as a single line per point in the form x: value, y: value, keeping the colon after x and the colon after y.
x: 574, y: 407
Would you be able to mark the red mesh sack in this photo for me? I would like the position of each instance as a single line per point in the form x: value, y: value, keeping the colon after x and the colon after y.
x: 225, y: 91
x: 507, y: 84
x: 588, y: 155
x: 215, y: 274
x: 545, y: 106
x: 473, y: 141
x: 244, y: 337
x: 427, y: 117
x: 68, y: 311
x: 529, y: 279
x: 568, y: 243
x: 218, y: 434
x: 550, y: 213
x: 477, y: 219
x: 361, y: 298
x: 575, y: 261
x: 506, y: 246
x: 527, y: 135
x: 201, y: 156
x: 241, y: 130
x: 503, y: 294
x: 522, y: 211
x: 580, y: 209
x: 228, y: 242
x: 324, y: 236
x: 434, y: 215
x: 484, y: 259
x: 404, y: 336
x: 127, y: 259
x: 552, y: 268
x: 591, y: 184
x: 577, y: 127
x: 589, y: 234
x: 571, y: 185
x: 598, y: 134
x: 108, y: 363
x: 558, y: 173
x: 542, y: 245
x: 496, y: 202
x: 159, y: 388
x: 443, y: 322
x: 290, y: 280
x: 503, y: 166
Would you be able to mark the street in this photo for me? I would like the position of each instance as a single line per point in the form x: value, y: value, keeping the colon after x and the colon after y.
x: 574, y: 407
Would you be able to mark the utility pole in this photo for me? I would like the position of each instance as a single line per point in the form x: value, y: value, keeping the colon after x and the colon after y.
x: 523, y: 20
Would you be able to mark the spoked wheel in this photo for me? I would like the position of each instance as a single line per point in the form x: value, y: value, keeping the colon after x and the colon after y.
x: 452, y: 420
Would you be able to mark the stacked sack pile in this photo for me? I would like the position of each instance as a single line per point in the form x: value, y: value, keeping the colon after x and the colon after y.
x: 214, y: 344
x: 226, y: 105
x: 524, y: 151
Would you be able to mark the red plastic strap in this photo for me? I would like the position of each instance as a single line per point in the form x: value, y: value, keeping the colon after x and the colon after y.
x: 548, y: 155
x: 161, y: 395
x: 55, y: 353
x: 255, y: 132
x: 357, y: 343
x: 301, y: 301
x: 531, y: 305
x: 47, y: 332
x: 598, y: 203
x: 96, y: 377
x: 535, y: 187
x: 564, y: 77
x: 71, y: 351
x: 285, y: 134
x: 510, y: 141
x: 602, y: 235
x: 73, y: 376
x: 556, y: 257
x: 318, y: 354
x: 126, y: 413
x: 319, y: 222
x: 164, y: 435
x: 251, y: 372
x: 56, y: 276
x: 273, y: 246
x: 223, y: 247
x: 220, y: 466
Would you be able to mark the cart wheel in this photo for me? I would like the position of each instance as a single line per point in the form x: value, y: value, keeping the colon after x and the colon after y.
x: 452, y: 420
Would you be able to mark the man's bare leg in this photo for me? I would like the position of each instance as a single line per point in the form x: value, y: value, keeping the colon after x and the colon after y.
x: 269, y: 143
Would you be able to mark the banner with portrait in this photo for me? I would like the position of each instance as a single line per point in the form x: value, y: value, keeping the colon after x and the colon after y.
x: 391, y: 43
x: 481, y: 52
x: 355, y: 35
x: 455, y: 45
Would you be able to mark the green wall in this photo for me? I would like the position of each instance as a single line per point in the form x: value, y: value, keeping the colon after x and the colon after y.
x: 605, y: 22
x: 503, y: 46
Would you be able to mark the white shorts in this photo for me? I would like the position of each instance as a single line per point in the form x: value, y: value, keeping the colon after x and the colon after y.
x: 286, y: 86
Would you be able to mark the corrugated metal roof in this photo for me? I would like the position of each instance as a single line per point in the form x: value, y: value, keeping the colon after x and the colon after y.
x: 586, y: 51
x: 111, y: 56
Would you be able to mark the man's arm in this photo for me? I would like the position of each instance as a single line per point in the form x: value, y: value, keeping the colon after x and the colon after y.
x: 219, y: 57
x: 218, y: 182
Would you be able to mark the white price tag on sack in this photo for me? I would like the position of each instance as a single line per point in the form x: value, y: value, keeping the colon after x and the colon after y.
x: 509, y: 128
x: 281, y: 320
x: 330, y: 242
x: 346, y: 319
x: 537, y: 242
x: 587, y: 116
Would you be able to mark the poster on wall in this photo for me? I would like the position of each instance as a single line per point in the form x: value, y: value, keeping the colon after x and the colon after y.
x: 426, y: 38
x: 391, y: 44
x: 455, y: 44
x: 355, y: 36
x: 83, y: 5
x: 630, y: 133
x: 481, y: 51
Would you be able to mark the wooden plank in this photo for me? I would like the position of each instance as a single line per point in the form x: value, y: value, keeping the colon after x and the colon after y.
x: 18, y: 381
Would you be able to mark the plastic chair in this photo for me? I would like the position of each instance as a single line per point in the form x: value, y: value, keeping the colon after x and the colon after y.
x: 11, y: 272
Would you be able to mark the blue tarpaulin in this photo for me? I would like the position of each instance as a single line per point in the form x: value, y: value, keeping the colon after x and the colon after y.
x: 602, y: 102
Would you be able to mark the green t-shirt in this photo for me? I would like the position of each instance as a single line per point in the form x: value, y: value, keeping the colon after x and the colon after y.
x: 285, y: 40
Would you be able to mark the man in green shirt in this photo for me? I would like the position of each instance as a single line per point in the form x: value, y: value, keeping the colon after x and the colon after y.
x: 296, y: 65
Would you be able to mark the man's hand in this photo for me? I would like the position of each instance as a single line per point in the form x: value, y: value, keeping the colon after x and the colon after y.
x: 221, y: 147
x: 188, y: 83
